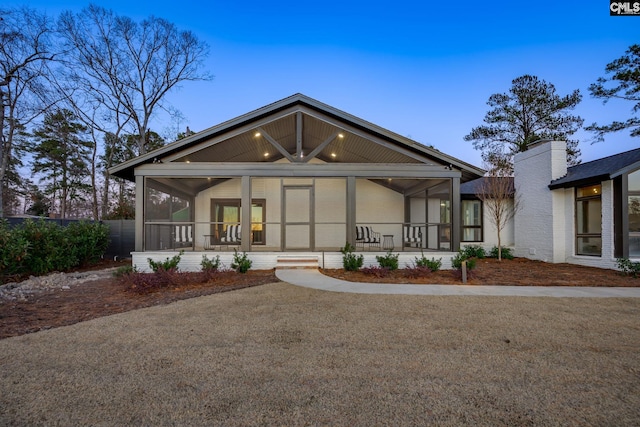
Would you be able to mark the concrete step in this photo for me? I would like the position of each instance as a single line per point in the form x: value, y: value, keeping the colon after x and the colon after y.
x: 292, y: 261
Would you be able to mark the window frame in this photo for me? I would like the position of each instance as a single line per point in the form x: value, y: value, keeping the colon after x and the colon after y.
x: 463, y: 227
x: 582, y: 235
x: 217, y: 228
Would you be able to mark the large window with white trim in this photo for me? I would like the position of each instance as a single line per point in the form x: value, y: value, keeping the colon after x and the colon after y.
x: 589, y: 220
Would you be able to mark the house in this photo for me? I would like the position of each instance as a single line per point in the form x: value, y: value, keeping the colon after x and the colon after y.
x: 309, y: 177
x: 316, y: 178
x: 587, y: 214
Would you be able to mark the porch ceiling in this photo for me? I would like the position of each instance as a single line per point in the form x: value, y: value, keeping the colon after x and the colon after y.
x: 335, y: 144
x: 297, y: 129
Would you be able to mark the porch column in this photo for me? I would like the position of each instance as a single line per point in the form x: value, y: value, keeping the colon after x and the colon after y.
x: 455, y: 214
x: 351, y: 210
x: 139, y: 221
x: 245, y: 220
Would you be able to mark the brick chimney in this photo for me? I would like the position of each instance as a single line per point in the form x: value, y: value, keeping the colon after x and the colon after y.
x: 540, y: 223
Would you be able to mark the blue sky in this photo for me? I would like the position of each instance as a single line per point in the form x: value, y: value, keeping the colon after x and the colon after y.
x: 421, y: 70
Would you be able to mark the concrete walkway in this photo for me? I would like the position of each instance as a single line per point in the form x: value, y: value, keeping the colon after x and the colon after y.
x: 312, y: 278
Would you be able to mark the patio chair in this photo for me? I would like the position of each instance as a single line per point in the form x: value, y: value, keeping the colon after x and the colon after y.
x: 232, y: 235
x: 183, y: 236
x: 366, y: 235
x: 412, y: 236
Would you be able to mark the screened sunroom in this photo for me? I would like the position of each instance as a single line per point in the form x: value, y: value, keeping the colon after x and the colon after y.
x: 297, y: 175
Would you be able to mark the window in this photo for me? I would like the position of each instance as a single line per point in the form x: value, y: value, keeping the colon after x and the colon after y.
x: 589, y: 220
x: 226, y: 212
x: 471, y: 221
x: 633, y: 212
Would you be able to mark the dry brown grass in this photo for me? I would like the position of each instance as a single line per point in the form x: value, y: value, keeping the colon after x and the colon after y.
x: 283, y: 355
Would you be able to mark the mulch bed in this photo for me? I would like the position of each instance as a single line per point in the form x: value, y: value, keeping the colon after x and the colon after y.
x: 104, y: 297
x: 516, y: 272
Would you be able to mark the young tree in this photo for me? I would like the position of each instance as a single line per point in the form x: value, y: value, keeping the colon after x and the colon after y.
x: 499, y: 200
x: 530, y: 111
x: 130, y: 65
x: 61, y: 152
x: 623, y: 83
x: 24, y: 48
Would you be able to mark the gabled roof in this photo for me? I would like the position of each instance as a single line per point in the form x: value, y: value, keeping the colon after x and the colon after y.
x: 598, y: 170
x: 233, y: 140
x: 472, y: 188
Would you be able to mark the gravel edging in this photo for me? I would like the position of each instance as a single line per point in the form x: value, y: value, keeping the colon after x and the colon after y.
x: 21, y: 291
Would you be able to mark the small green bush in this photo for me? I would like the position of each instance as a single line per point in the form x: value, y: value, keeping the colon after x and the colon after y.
x: 210, y: 264
x: 506, y: 253
x: 351, y: 261
x: 389, y: 261
x: 241, y: 263
x: 628, y: 267
x: 474, y: 251
x: 456, y: 262
x: 169, y: 264
x: 125, y: 270
x: 432, y: 264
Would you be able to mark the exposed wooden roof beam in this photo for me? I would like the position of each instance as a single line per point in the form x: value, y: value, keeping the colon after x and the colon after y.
x: 276, y: 145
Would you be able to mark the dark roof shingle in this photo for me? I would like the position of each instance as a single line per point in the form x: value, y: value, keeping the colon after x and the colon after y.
x: 596, y: 170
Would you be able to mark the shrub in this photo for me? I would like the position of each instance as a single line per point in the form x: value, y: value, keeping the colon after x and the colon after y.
x: 125, y: 270
x: 351, y: 261
x: 432, y: 264
x: 473, y: 251
x: 376, y: 271
x: 628, y: 267
x: 13, y: 251
x: 456, y: 262
x: 241, y: 263
x: 88, y: 241
x: 39, y: 247
x: 210, y: 264
x: 389, y: 261
x: 169, y: 264
x: 506, y: 253
x: 417, y: 271
x: 49, y: 249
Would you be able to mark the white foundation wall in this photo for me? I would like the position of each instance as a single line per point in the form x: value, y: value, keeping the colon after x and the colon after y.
x: 190, y: 261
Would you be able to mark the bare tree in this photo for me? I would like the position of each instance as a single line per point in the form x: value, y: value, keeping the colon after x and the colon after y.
x: 131, y: 66
x: 499, y: 200
x: 24, y: 49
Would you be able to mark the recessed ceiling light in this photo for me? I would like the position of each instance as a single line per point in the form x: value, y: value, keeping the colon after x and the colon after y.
x: 266, y: 154
x: 333, y: 154
x: 340, y: 135
x: 257, y: 134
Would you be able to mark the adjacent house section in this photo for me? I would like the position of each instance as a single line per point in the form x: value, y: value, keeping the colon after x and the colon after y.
x: 586, y: 214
